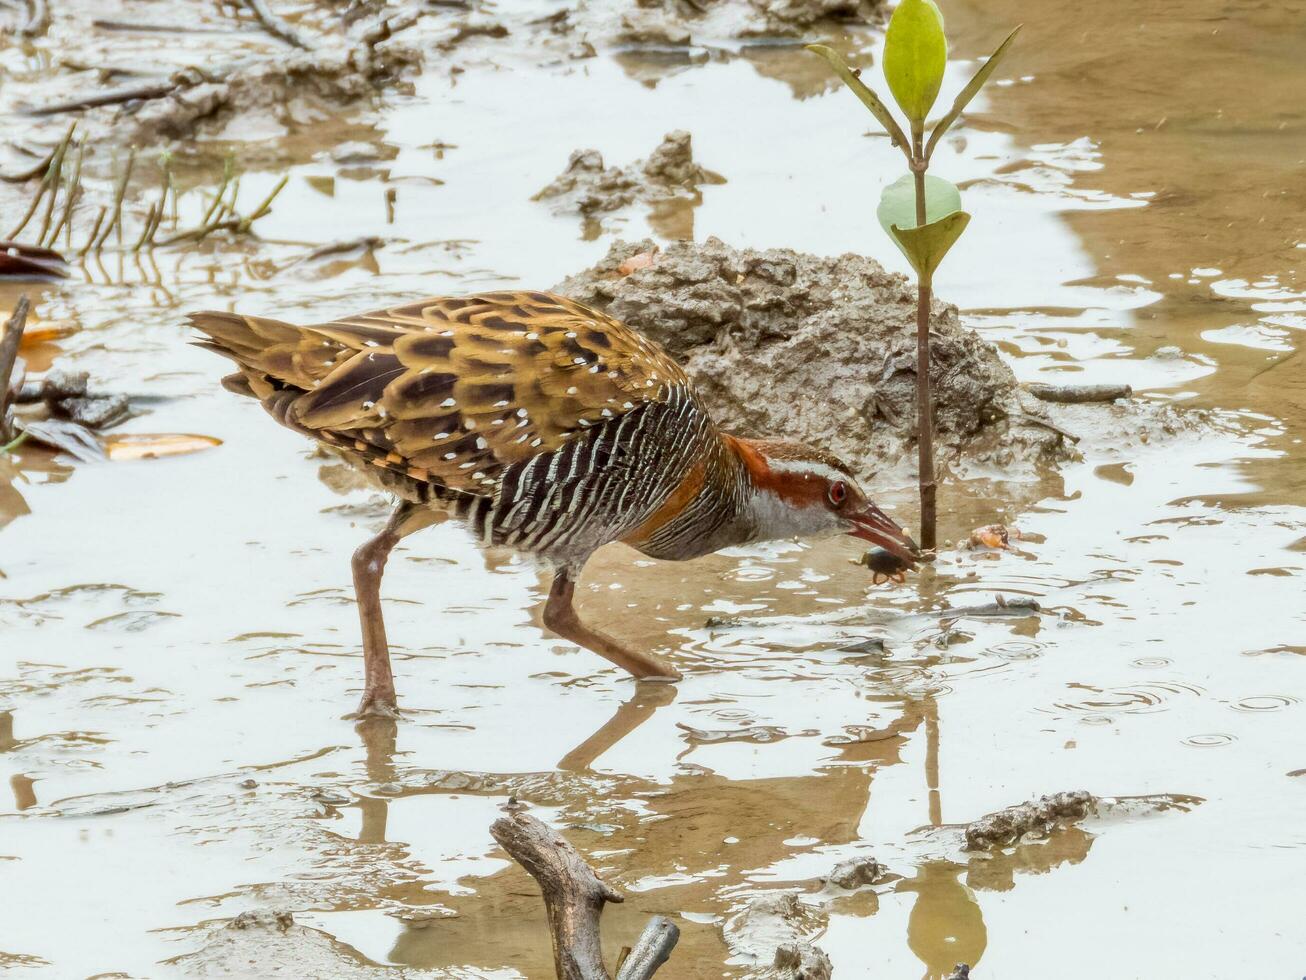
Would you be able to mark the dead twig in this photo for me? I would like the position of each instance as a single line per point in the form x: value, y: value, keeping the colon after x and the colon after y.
x: 574, y: 897
x: 1078, y: 394
x: 9, y: 341
x: 1045, y: 424
x: 275, y: 26
x: 115, y: 96
x: 147, y: 28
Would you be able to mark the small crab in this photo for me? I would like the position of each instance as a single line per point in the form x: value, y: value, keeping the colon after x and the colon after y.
x: 885, y: 566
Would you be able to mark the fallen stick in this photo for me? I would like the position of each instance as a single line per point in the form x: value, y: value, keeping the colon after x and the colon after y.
x: 1078, y: 394
x: 147, y: 28
x: 1045, y: 424
x: 9, y: 341
x: 113, y: 96
x: 574, y: 897
x: 184, y: 78
x: 275, y: 26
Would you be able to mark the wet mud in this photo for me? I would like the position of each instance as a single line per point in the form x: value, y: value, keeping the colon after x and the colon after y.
x: 669, y: 175
x: 178, y: 640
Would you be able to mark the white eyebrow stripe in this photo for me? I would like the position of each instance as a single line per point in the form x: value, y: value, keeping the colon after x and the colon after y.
x: 809, y: 467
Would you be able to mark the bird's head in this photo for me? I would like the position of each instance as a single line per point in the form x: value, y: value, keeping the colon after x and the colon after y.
x: 802, y: 491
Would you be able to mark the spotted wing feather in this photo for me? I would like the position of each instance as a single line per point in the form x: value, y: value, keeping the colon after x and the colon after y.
x: 458, y: 388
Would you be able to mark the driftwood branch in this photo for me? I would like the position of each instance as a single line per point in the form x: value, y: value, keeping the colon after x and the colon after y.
x: 574, y: 897
x: 1078, y: 394
x: 9, y: 341
x: 654, y: 948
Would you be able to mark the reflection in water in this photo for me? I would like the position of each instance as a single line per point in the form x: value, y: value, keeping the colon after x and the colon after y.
x: 24, y: 792
x: 946, y: 926
x: 379, y: 737
x: 648, y: 697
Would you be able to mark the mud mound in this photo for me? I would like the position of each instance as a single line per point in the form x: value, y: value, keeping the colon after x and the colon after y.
x: 587, y: 187
x: 823, y: 350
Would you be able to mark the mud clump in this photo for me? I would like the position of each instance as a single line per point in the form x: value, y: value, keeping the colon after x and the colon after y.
x: 682, y: 22
x: 587, y: 187
x: 774, y: 932
x: 822, y: 350
x: 1038, y: 817
x: 296, y: 89
x: 856, y: 872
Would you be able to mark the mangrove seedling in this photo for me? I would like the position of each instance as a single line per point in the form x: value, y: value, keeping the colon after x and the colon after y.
x: 921, y: 213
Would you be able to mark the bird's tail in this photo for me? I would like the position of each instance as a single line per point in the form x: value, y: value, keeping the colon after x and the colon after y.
x: 272, y: 355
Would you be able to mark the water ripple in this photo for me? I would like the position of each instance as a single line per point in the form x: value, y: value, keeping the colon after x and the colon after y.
x: 1265, y: 702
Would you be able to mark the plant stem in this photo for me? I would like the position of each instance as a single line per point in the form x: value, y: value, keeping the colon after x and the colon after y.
x: 925, y: 416
x: 18, y: 441
x: 924, y: 400
x: 11, y: 335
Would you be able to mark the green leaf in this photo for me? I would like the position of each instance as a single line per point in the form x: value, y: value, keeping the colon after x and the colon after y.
x: 915, y: 54
x: 869, y: 98
x: 897, y: 212
x: 926, y: 246
x: 898, y: 202
x: 969, y: 92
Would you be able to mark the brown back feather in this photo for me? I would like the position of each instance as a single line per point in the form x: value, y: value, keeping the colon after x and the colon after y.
x: 457, y: 387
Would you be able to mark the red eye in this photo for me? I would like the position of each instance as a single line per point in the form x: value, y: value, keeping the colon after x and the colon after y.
x: 838, y: 492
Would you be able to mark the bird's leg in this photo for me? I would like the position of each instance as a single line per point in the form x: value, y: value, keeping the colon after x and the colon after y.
x: 369, y: 565
x: 560, y: 617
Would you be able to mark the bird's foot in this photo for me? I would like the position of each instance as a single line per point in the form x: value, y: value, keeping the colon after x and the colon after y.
x: 375, y: 704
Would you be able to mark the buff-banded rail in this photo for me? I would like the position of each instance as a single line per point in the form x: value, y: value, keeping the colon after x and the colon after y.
x: 547, y: 427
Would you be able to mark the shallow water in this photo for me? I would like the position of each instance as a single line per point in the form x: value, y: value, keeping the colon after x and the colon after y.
x: 179, y: 640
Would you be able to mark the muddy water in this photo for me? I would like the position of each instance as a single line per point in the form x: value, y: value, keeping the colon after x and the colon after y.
x: 179, y: 641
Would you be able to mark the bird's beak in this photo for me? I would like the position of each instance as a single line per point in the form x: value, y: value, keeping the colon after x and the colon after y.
x: 873, y: 525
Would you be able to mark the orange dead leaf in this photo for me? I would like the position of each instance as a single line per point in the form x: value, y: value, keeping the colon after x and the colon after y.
x: 45, y: 333
x: 154, y: 445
